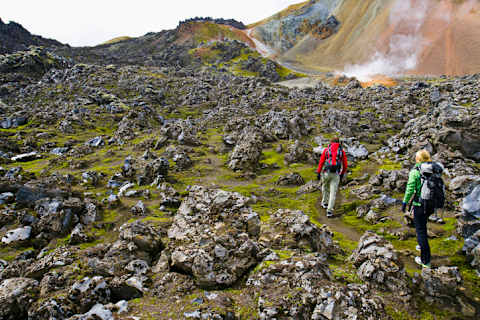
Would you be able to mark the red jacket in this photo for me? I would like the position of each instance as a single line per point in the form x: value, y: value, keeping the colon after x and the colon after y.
x: 334, y: 158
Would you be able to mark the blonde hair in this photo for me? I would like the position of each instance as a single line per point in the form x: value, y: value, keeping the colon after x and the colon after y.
x: 423, y: 156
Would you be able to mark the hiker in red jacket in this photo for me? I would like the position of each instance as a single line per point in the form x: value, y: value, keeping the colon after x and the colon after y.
x: 331, y: 170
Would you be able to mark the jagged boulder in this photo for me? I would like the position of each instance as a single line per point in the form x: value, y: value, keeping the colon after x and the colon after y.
x: 378, y: 263
x: 290, y: 179
x: 471, y: 248
x: 391, y: 180
x: 454, y: 127
x: 246, y: 154
x: 461, y: 186
x: 471, y: 204
x: 58, y: 308
x: 294, y: 230
x: 300, y: 152
x: 61, y: 256
x: 87, y: 292
x: 315, y: 296
x: 442, y: 282
x: 16, y: 296
x: 213, y: 237
x: 283, y: 125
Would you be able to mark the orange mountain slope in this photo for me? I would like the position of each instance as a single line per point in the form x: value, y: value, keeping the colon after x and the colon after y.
x: 391, y: 37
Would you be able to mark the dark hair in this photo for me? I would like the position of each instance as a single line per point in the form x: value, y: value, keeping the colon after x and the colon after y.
x: 335, y: 140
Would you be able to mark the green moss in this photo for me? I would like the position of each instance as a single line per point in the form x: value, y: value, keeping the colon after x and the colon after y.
x: 283, y: 254
x: 390, y: 165
x: 396, y: 314
x: 469, y: 275
x: 347, y: 245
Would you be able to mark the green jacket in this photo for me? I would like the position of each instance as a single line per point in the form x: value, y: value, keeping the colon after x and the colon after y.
x: 414, y: 184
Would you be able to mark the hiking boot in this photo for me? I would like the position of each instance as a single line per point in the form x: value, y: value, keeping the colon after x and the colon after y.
x: 329, y: 214
x: 418, y: 260
x: 324, y: 205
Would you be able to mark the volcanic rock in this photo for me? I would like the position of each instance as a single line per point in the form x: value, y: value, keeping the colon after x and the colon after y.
x: 213, y: 237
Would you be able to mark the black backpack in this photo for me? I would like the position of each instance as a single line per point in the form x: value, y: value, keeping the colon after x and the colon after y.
x: 329, y: 166
x: 433, y: 187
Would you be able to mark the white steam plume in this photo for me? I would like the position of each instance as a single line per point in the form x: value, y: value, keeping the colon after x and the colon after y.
x: 406, y: 43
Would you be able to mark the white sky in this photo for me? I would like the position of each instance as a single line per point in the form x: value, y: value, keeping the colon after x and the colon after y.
x: 91, y: 22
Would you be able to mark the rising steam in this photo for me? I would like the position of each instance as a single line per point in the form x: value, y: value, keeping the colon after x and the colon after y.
x: 406, y: 19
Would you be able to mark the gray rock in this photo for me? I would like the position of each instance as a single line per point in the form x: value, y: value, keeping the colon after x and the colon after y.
x: 60, y: 257
x: 471, y: 204
x: 310, y: 187
x: 442, y: 282
x: 300, y: 152
x: 16, y: 235
x: 97, y: 312
x: 138, y: 267
x: 316, y: 295
x: 354, y: 149
x: 26, y: 157
x: 463, y: 185
x: 145, y: 237
x: 90, y: 177
x: 78, y: 235
x: 213, y: 237
x: 246, y: 154
x: 16, y: 296
x: 290, y: 179
x: 139, y: 209
x: 289, y: 229
x: 59, y: 151
x: 88, y: 292
x: 377, y: 262
x: 95, y: 142
x: 6, y: 197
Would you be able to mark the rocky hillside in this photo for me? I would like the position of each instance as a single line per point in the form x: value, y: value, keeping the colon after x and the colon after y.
x: 365, y: 38
x: 14, y: 37
x: 162, y: 191
x: 195, y: 44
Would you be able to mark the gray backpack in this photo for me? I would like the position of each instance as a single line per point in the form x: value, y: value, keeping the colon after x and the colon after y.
x: 433, y: 187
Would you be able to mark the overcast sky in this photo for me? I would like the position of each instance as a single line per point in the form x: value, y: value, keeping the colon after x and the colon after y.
x: 91, y: 22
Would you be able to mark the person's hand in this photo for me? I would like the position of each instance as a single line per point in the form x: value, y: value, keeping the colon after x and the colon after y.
x: 318, y: 176
x: 404, y: 207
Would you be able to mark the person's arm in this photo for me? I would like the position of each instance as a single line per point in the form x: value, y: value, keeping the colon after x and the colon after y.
x: 322, y: 161
x: 411, y: 185
x: 344, y: 164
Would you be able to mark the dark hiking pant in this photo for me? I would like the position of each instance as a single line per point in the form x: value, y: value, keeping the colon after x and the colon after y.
x: 420, y: 217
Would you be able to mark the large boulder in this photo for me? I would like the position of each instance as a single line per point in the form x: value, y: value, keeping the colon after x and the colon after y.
x: 453, y: 127
x: 288, y: 229
x: 461, y: 186
x: 471, y: 204
x: 17, y: 235
x: 213, y: 237
x: 315, y: 295
x: 442, y: 282
x: 378, y: 263
x: 246, y: 154
x: 471, y: 248
x: 283, y: 125
x: 16, y: 295
x: 442, y: 286
x: 300, y: 152
x: 60, y: 257
x: 87, y: 292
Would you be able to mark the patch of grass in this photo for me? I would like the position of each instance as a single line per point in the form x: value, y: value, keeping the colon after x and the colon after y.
x: 390, y: 165
x: 347, y: 245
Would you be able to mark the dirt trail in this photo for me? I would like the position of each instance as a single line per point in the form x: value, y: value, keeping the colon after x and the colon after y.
x: 336, y: 223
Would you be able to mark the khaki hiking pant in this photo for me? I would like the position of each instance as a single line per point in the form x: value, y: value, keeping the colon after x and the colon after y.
x: 330, y: 182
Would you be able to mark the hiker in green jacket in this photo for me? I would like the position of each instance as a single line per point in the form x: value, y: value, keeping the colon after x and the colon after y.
x: 421, y: 211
